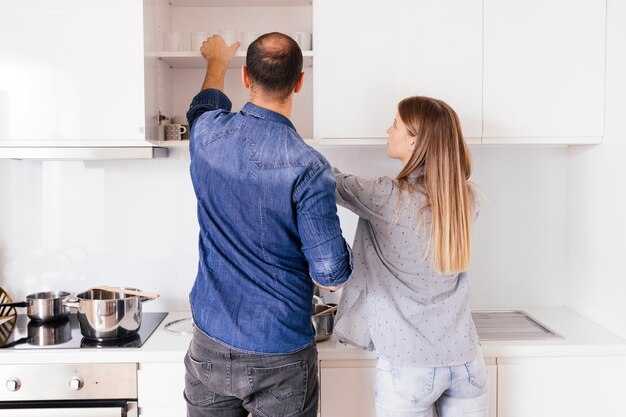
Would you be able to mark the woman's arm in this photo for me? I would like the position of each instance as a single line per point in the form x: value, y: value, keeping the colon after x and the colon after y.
x: 361, y: 195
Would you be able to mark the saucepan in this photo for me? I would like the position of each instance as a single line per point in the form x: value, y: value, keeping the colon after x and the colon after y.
x: 106, y: 313
x: 323, y: 321
x: 44, y: 306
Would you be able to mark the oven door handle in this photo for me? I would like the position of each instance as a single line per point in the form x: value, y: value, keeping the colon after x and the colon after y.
x: 71, y: 412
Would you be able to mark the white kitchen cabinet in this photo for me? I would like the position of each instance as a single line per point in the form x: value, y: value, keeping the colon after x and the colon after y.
x: 572, y: 387
x: 368, y: 58
x: 347, y: 387
x: 173, y: 78
x: 160, y: 389
x: 544, y: 71
x: 95, y: 74
x: 492, y: 372
x: 71, y: 73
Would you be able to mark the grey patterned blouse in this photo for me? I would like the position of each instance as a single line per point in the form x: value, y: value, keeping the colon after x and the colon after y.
x: 396, y: 303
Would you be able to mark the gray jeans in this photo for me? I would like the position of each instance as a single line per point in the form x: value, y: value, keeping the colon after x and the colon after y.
x: 223, y: 382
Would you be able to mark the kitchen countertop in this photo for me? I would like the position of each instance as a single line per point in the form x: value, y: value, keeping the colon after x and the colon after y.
x: 581, y: 337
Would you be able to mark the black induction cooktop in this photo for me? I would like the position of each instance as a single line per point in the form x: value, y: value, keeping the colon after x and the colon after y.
x: 22, y: 333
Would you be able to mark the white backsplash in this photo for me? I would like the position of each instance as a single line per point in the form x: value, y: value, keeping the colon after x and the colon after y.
x: 69, y: 225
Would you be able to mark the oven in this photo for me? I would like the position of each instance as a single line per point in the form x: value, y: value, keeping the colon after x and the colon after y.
x: 68, y: 390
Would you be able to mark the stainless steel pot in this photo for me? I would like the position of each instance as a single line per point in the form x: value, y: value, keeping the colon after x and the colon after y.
x: 44, y: 306
x: 323, y: 324
x: 108, y: 314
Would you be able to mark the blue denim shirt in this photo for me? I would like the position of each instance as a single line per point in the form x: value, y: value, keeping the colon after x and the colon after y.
x: 268, y: 224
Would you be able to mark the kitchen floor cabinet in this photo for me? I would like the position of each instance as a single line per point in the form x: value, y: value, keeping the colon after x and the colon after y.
x: 368, y: 58
x: 544, y: 64
x: 160, y: 389
x: 347, y: 388
x: 519, y: 387
x: 572, y: 387
x: 71, y: 73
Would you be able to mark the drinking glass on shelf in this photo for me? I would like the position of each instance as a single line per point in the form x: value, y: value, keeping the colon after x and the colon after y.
x: 176, y: 41
x: 171, y: 41
x: 197, y: 38
x: 247, y: 38
x: 303, y: 39
x: 230, y: 35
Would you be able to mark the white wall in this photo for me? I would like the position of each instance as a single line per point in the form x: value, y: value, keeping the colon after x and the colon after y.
x: 71, y: 225
x: 597, y: 199
x: 518, y: 254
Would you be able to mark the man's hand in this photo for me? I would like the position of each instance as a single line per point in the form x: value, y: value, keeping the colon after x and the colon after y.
x: 217, y: 55
x: 215, y: 50
x: 326, y: 288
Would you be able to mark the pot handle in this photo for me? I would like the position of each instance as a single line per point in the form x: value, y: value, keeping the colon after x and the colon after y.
x: 71, y: 302
x: 327, y: 311
x: 18, y: 304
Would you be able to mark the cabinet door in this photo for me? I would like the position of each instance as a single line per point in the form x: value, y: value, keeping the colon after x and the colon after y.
x: 160, y: 389
x: 347, y: 388
x: 492, y: 371
x: 544, y: 70
x: 573, y: 387
x: 369, y: 58
x: 71, y: 71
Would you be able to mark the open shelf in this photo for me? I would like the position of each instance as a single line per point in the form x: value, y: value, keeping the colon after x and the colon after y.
x: 192, y: 59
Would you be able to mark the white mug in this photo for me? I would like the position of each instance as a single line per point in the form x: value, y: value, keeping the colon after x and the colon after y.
x: 303, y: 39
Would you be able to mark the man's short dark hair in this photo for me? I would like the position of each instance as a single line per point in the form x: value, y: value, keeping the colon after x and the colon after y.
x: 274, y: 63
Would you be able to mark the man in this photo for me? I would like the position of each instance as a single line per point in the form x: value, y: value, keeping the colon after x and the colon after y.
x: 268, y: 233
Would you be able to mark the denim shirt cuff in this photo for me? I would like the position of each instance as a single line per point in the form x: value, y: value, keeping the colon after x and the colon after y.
x: 351, y: 262
x: 340, y: 273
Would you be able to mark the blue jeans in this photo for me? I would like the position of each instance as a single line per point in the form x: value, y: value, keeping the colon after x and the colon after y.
x: 455, y: 391
x: 223, y: 382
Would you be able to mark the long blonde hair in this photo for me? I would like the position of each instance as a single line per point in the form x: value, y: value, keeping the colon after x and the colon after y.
x: 443, y: 164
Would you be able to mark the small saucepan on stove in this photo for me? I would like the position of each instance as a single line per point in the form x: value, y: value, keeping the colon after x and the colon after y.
x: 44, y: 306
x: 106, y: 313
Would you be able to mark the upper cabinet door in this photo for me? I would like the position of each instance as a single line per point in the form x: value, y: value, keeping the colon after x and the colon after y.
x: 544, y: 70
x: 71, y: 71
x: 368, y: 58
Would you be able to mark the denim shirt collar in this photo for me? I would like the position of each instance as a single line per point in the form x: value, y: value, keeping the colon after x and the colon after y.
x: 263, y: 113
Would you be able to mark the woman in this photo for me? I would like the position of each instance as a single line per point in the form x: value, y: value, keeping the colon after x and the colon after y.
x: 409, y: 296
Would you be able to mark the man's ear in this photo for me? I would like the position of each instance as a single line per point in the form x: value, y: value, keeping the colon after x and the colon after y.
x: 245, y: 80
x: 299, y: 83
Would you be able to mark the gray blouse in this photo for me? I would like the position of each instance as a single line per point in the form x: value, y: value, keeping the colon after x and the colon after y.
x: 396, y: 303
